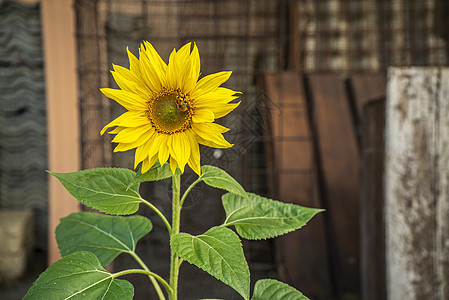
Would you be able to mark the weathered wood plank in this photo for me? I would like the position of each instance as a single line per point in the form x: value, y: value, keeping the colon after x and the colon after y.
x: 415, y: 175
x: 340, y: 182
x: 442, y: 208
x: 303, y: 254
x: 372, y: 252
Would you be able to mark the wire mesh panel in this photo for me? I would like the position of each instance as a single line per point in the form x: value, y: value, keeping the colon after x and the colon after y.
x: 251, y: 38
x: 368, y: 35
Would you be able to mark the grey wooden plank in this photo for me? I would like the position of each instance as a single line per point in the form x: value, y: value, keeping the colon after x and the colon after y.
x: 415, y: 176
x: 442, y: 207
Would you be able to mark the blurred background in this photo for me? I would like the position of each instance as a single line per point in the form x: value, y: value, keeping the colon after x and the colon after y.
x: 310, y: 129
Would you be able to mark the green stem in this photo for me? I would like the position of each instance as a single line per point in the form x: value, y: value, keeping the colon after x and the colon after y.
x: 149, y: 273
x: 153, y: 280
x: 157, y: 211
x: 174, y: 264
x: 189, y: 189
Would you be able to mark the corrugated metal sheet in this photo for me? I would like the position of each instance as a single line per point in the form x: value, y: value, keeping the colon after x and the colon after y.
x: 23, y: 133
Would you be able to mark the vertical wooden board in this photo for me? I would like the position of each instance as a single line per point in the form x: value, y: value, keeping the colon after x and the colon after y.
x: 58, y: 21
x: 442, y: 209
x: 372, y: 252
x: 303, y: 253
x: 366, y: 88
x: 340, y: 166
x: 410, y: 182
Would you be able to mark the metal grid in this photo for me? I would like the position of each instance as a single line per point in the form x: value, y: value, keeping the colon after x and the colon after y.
x: 249, y: 37
x: 368, y: 35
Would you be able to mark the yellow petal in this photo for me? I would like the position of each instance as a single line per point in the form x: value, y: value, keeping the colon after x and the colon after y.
x: 210, y: 83
x: 172, y: 79
x: 128, y: 100
x: 154, y: 65
x: 212, y: 99
x: 222, y: 110
x: 149, y: 74
x: 142, y: 152
x: 148, y: 163
x: 178, y: 69
x: 123, y: 83
x: 203, y: 115
x: 116, y: 130
x: 219, y: 93
x: 159, y: 141
x: 128, y: 119
x: 209, y: 136
x: 130, y: 81
x: 137, y: 143
x: 134, y: 119
x: 133, y: 63
x: 180, y: 149
x: 173, y: 165
x: 131, y: 134
x: 189, y: 66
x: 194, y: 159
x: 163, y: 153
x: 194, y: 72
x: 213, y: 127
x: 159, y: 65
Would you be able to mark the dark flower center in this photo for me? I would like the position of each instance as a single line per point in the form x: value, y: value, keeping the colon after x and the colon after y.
x: 170, y: 112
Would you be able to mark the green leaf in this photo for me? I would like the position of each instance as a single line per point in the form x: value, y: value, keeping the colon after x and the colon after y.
x: 218, y: 252
x: 79, y: 276
x: 103, y: 235
x: 110, y: 190
x: 156, y: 172
x: 270, y: 289
x: 218, y: 178
x: 263, y: 218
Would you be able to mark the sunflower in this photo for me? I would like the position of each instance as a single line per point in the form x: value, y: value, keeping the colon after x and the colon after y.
x: 169, y: 111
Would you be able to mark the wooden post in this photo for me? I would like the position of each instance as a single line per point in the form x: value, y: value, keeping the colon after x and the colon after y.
x: 416, y: 183
x: 62, y: 108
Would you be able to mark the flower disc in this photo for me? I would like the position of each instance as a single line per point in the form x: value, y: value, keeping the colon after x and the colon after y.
x: 167, y: 114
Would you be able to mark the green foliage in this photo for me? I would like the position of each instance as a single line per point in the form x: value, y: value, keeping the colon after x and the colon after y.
x: 110, y: 190
x: 101, y: 238
x: 218, y: 178
x: 263, y: 218
x: 218, y: 252
x: 103, y: 235
x: 79, y: 276
x: 270, y: 289
x: 155, y: 173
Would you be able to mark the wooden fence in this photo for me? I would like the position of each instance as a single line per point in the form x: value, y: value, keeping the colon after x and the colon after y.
x: 327, y: 148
